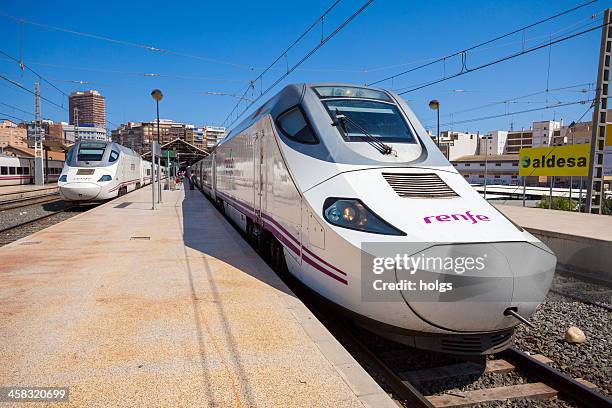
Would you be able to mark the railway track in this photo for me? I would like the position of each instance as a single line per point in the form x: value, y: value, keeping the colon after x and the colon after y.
x: 10, y: 234
x: 21, y: 199
x: 546, y: 381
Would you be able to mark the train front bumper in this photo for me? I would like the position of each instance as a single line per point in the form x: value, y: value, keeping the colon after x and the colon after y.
x: 80, y: 191
x: 468, y: 287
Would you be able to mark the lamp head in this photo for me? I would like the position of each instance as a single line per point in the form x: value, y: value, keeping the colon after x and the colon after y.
x: 434, y: 104
x: 157, y: 95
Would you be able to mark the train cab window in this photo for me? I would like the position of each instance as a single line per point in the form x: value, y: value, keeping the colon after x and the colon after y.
x: 19, y: 170
x: 69, y: 155
x: 295, y: 127
x: 381, y: 120
x: 113, y: 156
x: 3, y: 170
x: 92, y: 151
x: 12, y: 170
x: 26, y: 171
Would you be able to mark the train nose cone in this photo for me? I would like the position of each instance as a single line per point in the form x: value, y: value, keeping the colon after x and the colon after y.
x: 467, y: 287
x: 79, y: 191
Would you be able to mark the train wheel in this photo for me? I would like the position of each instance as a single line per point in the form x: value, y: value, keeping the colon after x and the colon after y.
x: 278, y: 256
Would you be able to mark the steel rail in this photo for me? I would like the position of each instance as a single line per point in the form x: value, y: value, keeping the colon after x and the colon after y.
x: 563, y: 383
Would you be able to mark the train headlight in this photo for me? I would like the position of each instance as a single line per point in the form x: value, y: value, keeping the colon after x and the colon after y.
x: 63, y: 178
x: 105, y: 177
x: 353, y: 214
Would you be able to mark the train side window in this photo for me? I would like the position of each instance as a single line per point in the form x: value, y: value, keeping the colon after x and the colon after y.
x: 11, y: 170
x: 26, y: 171
x: 3, y: 170
x: 295, y: 127
x: 113, y: 156
x: 19, y: 170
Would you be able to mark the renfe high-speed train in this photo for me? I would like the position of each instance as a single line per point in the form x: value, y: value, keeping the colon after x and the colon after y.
x: 20, y: 170
x: 98, y: 171
x: 331, y: 177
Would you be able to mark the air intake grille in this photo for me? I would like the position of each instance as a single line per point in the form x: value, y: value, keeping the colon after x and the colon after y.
x: 477, y: 344
x: 419, y: 185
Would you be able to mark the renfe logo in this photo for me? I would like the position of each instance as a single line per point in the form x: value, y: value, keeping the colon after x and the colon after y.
x: 456, y: 217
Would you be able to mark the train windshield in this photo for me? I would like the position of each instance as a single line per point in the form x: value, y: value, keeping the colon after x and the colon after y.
x: 365, y: 117
x: 91, y: 151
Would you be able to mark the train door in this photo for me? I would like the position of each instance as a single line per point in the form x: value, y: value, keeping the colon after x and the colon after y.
x: 258, y: 174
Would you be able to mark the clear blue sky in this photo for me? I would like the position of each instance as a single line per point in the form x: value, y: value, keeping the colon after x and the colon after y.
x: 251, y: 34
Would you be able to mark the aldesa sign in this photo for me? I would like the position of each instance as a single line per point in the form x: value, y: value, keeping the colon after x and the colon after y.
x: 568, y: 160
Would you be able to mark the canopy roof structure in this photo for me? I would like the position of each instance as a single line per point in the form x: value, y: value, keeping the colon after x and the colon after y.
x: 181, y: 150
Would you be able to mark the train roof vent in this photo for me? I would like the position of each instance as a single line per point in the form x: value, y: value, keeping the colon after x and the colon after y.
x: 419, y: 185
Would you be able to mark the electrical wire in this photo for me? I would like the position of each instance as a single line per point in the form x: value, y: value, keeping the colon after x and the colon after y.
x: 11, y: 116
x: 34, y: 72
x: 16, y: 108
x: 466, y: 70
x: 17, y: 84
x: 462, y: 52
x: 301, y: 61
x: 557, y: 105
x: 125, y: 43
x: 515, y: 99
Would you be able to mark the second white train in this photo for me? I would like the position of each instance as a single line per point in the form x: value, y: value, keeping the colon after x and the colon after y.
x: 97, y: 171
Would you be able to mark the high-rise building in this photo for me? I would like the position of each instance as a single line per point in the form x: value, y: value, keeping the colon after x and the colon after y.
x: 90, y: 106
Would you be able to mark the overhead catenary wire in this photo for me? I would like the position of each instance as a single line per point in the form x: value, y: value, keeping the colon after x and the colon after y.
x: 466, y: 70
x: 17, y: 84
x: 517, y: 98
x: 573, y: 27
x: 16, y: 108
x: 125, y: 43
x: 23, y: 65
x: 323, y: 41
x: 499, y: 37
x: 553, y: 106
x: 2, y: 114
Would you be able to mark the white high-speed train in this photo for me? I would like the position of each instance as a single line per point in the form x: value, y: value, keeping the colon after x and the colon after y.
x: 343, y: 184
x: 20, y: 170
x: 98, y: 171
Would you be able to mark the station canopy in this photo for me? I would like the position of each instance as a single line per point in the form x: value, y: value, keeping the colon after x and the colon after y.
x: 186, y: 153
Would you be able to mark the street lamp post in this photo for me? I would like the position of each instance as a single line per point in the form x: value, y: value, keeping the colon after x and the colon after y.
x: 435, y: 105
x: 157, y: 95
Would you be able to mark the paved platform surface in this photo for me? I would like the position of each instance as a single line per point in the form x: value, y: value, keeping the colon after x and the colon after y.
x: 590, y: 226
x: 133, y: 307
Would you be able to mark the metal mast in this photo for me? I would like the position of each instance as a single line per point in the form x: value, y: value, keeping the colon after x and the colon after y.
x: 76, y: 125
x: 595, y: 185
x: 39, y: 166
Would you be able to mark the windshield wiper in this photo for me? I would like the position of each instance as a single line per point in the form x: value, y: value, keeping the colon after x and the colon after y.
x: 367, y: 137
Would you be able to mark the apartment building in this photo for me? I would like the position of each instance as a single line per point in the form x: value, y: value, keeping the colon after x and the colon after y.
x: 72, y: 134
x: 458, y: 144
x: 11, y: 134
x: 138, y: 135
x: 212, y: 136
x: 493, y: 143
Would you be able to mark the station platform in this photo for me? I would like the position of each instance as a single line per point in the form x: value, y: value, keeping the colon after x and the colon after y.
x: 582, y: 242
x: 130, y: 306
